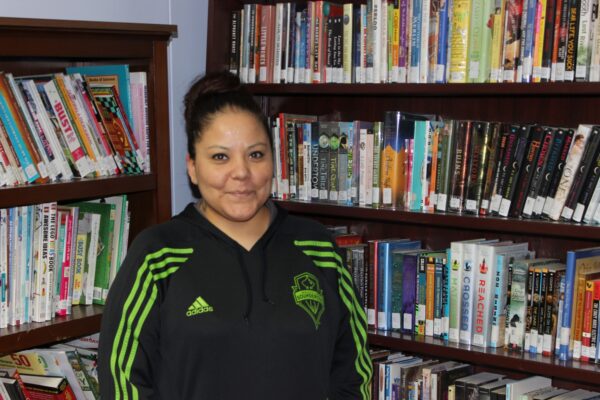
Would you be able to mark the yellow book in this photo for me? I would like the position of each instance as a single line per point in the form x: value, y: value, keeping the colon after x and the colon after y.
x: 497, y: 42
x: 348, y: 22
x: 538, y: 40
x: 459, y: 41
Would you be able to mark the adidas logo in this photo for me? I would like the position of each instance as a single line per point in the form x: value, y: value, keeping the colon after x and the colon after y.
x: 198, y: 307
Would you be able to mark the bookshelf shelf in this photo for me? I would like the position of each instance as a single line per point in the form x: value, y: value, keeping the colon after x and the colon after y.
x: 458, y: 221
x: 571, y: 89
x: 578, y: 373
x: 84, y: 320
x: 79, y: 189
x: 42, y: 46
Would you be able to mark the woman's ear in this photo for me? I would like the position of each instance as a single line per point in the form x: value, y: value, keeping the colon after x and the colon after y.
x: 191, y: 168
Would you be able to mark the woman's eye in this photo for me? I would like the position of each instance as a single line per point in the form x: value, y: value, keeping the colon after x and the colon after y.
x: 219, y: 157
x: 257, y: 154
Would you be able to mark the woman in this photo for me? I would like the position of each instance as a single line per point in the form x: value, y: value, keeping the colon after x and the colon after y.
x: 232, y: 298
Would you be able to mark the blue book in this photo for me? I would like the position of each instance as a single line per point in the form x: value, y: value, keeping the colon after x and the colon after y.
x: 122, y: 73
x: 527, y: 40
x: 14, y: 135
x: 409, y: 291
x: 446, y: 296
x: 384, y: 277
x: 579, y: 262
x: 442, y: 49
x: 419, y: 158
x: 415, y: 43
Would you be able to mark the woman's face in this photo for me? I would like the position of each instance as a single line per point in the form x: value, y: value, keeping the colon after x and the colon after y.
x: 233, y: 167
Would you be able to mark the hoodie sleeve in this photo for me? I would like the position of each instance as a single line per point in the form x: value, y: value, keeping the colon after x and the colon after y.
x: 351, y: 370
x: 129, y: 337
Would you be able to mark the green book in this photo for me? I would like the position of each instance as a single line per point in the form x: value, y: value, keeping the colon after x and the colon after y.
x: 107, y: 213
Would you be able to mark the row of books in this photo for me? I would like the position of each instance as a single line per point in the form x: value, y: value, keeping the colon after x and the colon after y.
x: 92, y: 121
x: 400, y: 376
x: 416, y: 41
x: 63, y: 371
x: 480, y: 292
x: 426, y: 163
x: 55, y: 256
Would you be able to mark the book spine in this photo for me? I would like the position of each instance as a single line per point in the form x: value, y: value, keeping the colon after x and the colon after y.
x: 459, y: 41
x: 409, y: 287
x: 442, y: 47
x: 512, y: 40
x: 538, y: 172
x: 583, y: 42
x: 549, y: 39
x: 539, y: 40
x: 567, y: 309
x: 571, y: 43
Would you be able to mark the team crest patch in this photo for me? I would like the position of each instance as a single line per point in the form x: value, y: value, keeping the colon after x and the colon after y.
x: 309, y: 296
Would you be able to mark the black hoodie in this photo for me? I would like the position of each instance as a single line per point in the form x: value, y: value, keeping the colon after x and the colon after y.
x: 194, y: 315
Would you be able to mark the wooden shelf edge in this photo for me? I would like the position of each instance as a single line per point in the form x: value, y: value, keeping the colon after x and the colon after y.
x: 430, y: 89
x: 492, y: 358
x: 87, y: 26
x: 471, y: 222
x: 84, y: 320
x: 72, y: 190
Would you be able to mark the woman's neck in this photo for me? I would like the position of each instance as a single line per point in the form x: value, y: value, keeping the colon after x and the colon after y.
x: 246, y: 233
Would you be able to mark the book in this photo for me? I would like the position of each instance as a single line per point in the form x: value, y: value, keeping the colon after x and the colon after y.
x: 463, y: 133
x: 105, y: 246
x: 578, y: 262
x: 514, y: 390
x: 571, y: 165
x: 96, y: 73
x: 479, y: 155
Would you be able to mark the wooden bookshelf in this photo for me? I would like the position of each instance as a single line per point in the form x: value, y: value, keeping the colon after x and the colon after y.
x: 39, y: 46
x: 557, y: 104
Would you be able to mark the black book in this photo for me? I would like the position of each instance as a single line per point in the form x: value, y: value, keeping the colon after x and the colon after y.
x: 446, y: 146
x: 514, y: 169
x: 449, y: 376
x: 559, y: 74
x: 13, y: 388
x: 234, y: 42
x: 462, y: 133
x: 548, y: 41
x: 572, y: 35
x: 495, y: 147
x: 555, y: 152
x: 472, y: 388
x: 588, y: 158
x: 291, y: 42
x: 537, y: 177
x: 485, y: 391
x: 510, y: 137
x: 498, y: 394
x: 478, y: 160
x: 588, y: 189
x: 558, y: 171
x: 536, y: 136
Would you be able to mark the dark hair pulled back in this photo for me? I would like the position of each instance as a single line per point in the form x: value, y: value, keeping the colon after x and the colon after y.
x: 214, y: 93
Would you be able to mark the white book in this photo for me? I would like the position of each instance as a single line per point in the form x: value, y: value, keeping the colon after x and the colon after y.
x: 470, y: 251
x: 595, y: 49
x: 52, y: 212
x: 90, y: 224
x: 456, y: 262
x: 385, y: 37
x: 105, y: 163
x: 81, y: 160
x: 569, y: 170
x: 277, y: 49
x: 376, y: 38
x: 39, y: 113
x: 61, y: 366
x: 138, y: 82
x: 38, y: 264
x: 424, y: 54
x: 43, y: 166
x: 584, y: 41
x: 515, y: 390
x: 486, y: 281
x: 593, y: 205
x: 362, y: 187
x: 348, y: 22
x: 3, y: 268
